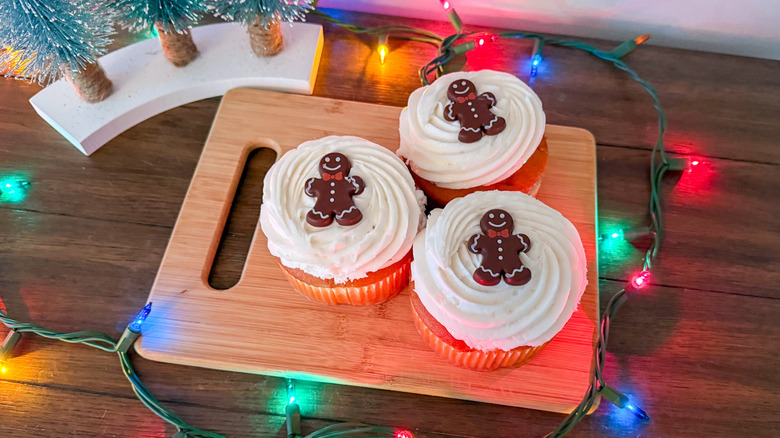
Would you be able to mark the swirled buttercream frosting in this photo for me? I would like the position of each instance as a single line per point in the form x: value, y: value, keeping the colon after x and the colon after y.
x: 392, y: 211
x: 501, y: 316
x: 429, y: 141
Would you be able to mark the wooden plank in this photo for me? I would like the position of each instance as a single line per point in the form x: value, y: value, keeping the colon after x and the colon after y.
x: 721, y: 226
x: 671, y: 349
x: 717, y: 105
x: 376, y: 346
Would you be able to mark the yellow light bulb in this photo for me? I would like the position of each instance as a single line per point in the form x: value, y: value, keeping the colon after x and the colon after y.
x: 3, y: 370
x: 382, y: 49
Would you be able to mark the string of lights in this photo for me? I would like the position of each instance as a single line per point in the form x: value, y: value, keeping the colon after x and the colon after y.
x: 447, y: 48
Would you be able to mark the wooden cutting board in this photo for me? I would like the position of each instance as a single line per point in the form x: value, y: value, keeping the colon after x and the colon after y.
x: 263, y: 326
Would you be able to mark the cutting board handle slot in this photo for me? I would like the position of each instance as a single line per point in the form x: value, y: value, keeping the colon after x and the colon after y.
x: 239, y: 228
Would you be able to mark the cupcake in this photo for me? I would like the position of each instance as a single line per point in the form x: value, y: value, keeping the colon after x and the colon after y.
x: 341, y: 214
x: 495, y: 276
x: 474, y: 131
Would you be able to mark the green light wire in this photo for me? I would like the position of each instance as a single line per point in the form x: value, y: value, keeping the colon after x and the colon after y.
x: 659, y: 165
x: 454, y: 45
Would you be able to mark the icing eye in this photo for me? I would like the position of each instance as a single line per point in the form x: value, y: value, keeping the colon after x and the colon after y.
x: 327, y: 159
x: 502, y: 215
x: 454, y: 85
x: 338, y: 159
x: 491, y: 216
x: 463, y: 83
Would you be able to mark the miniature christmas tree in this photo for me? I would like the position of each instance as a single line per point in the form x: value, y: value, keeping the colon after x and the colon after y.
x: 44, y: 39
x: 172, y: 19
x: 262, y: 19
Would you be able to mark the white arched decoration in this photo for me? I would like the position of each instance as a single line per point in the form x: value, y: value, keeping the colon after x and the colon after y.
x: 146, y: 84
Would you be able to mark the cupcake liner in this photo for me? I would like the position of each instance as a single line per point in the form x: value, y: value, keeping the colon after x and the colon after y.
x: 475, y: 359
x: 379, y: 287
x: 527, y: 180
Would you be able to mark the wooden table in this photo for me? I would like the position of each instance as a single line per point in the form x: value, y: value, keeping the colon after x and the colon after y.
x: 698, y: 350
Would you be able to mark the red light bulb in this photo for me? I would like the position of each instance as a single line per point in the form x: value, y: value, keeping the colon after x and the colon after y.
x: 403, y: 434
x: 640, y: 280
x: 446, y: 5
x: 695, y: 162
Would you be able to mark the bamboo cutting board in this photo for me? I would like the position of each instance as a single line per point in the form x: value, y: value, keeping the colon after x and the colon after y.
x: 262, y: 326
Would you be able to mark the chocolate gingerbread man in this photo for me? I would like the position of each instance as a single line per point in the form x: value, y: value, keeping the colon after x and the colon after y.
x: 334, y: 191
x: 473, y: 111
x: 500, y: 251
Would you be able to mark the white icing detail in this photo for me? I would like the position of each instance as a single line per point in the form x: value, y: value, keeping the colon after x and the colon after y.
x: 492, y: 101
x: 492, y: 274
x: 332, y: 184
x: 474, y: 245
x: 525, y: 244
x: 476, y: 116
x: 491, y: 317
x: 516, y: 271
x: 353, y: 182
x: 493, y: 120
x: 320, y: 214
x: 469, y: 104
x: 331, y: 168
x: 341, y: 215
x: 391, y: 206
x: 332, y: 192
x: 461, y: 92
x: 499, y: 241
x: 473, y: 109
x: 500, y: 257
x: 332, y: 200
x: 496, y: 225
x: 472, y: 129
x: 500, y: 249
x: 430, y: 143
x: 308, y: 187
x: 449, y: 111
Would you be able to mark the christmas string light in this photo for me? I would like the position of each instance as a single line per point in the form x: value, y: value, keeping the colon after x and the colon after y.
x: 382, y: 48
x: 447, y: 48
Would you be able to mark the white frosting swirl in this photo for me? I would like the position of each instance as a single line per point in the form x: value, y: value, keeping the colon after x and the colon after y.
x: 430, y: 143
x: 502, y: 316
x: 393, y: 211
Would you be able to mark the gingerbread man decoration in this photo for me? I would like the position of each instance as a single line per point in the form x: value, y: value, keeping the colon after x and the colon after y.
x: 334, y: 192
x: 473, y: 111
x: 500, y: 251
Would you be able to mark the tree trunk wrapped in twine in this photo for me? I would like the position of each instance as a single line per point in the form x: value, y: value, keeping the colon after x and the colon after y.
x: 91, y: 83
x: 265, y: 41
x: 178, y: 48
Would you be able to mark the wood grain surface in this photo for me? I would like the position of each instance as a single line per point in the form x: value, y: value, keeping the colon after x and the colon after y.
x: 265, y: 324
x: 697, y: 350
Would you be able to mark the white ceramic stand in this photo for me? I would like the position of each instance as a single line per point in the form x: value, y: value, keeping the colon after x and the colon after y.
x: 146, y: 84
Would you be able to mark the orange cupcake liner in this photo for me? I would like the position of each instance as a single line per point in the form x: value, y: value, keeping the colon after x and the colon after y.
x: 527, y: 180
x: 475, y: 359
x: 386, y: 286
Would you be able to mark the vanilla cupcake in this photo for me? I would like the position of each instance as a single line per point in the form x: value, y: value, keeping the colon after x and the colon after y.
x: 496, y: 275
x: 341, y: 214
x: 474, y: 131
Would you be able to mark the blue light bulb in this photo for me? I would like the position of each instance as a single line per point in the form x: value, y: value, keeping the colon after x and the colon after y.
x: 535, y: 61
x: 140, y: 318
x: 636, y: 410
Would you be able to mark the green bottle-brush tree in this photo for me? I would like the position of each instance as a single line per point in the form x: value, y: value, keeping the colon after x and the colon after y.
x: 262, y: 19
x: 42, y: 40
x: 171, y: 19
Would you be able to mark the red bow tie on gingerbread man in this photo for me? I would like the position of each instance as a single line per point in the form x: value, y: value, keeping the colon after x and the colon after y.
x: 471, y: 96
x: 500, y: 251
x: 492, y: 233
x: 473, y: 111
x: 328, y: 177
